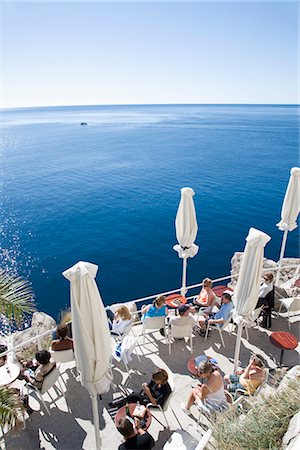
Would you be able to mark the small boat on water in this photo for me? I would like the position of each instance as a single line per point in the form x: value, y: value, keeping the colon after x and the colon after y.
x: 83, y: 123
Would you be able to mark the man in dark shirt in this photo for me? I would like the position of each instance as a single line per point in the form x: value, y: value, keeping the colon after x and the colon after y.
x: 156, y: 392
x: 135, y: 437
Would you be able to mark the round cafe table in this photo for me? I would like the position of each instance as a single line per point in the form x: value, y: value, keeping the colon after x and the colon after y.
x: 218, y: 290
x: 9, y: 373
x: 122, y: 413
x: 175, y: 300
x: 283, y: 340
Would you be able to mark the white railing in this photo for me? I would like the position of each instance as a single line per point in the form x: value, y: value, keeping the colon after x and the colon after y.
x: 39, y: 337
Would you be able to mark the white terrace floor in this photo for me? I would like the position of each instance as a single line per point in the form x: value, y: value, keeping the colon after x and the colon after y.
x: 70, y: 427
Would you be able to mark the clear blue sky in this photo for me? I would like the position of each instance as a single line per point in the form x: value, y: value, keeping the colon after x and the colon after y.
x: 129, y: 53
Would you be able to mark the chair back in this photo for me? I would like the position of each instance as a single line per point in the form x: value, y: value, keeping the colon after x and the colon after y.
x: 181, y: 331
x: 63, y: 356
x: 256, y: 313
x: 154, y: 323
x: 224, y: 325
x: 127, y: 329
x: 50, y: 380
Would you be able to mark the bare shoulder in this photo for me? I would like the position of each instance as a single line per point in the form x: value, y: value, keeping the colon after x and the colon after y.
x: 216, y: 380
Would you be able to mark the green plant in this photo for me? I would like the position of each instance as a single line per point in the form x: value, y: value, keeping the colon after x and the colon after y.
x: 265, y: 424
x: 16, y: 297
x: 10, y: 408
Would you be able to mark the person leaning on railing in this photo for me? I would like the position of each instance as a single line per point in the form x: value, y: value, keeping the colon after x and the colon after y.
x: 266, y: 299
x: 64, y: 342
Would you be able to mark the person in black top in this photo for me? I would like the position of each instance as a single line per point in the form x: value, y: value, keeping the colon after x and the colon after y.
x: 156, y: 392
x: 135, y: 437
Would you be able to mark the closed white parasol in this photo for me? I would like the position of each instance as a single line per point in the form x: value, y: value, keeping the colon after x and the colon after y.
x: 246, y: 292
x: 186, y: 231
x: 290, y: 211
x: 92, y: 341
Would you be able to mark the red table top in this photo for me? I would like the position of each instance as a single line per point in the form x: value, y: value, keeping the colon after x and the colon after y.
x: 174, y: 297
x: 284, y: 340
x: 122, y: 413
x: 218, y: 290
x: 297, y: 283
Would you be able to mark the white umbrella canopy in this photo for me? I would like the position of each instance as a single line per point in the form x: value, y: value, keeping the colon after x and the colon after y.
x: 290, y: 210
x: 247, y: 289
x: 291, y: 203
x: 92, y: 340
x: 186, y: 230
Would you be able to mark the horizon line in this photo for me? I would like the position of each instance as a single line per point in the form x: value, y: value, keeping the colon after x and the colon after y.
x: 147, y: 104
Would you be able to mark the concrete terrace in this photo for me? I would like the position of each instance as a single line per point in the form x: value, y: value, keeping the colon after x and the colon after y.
x: 70, y: 425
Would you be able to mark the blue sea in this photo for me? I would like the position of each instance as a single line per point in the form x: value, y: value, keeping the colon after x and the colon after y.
x: 108, y: 192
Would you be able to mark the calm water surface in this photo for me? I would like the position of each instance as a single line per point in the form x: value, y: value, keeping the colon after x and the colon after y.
x: 108, y: 192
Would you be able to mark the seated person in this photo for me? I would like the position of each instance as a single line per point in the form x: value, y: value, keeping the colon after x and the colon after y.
x: 36, y: 373
x: 266, y: 299
x: 248, y: 379
x: 208, y: 396
x: 156, y: 392
x: 3, y: 359
x: 121, y: 319
x: 206, y: 298
x: 184, y: 317
x: 219, y: 317
x: 64, y: 342
x: 157, y: 309
x: 135, y: 436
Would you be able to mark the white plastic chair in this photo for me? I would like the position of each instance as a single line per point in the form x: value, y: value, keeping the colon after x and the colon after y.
x: 253, y: 320
x: 291, y: 304
x: 180, y: 332
x: 166, y: 405
x: 129, y: 343
x: 62, y: 356
x: 218, y: 327
x: 48, y: 382
x: 153, y: 323
x: 182, y: 440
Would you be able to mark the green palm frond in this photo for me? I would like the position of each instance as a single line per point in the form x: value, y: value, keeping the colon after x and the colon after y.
x: 16, y: 296
x: 10, y: 407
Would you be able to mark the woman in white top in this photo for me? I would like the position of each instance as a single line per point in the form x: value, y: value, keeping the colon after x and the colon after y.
x: 266, y: 299
x: 209, y: 396
x: 122, y: 318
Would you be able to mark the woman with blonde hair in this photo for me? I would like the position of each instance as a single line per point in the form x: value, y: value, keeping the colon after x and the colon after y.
x: 122, y: 318
x: 206, y: 297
